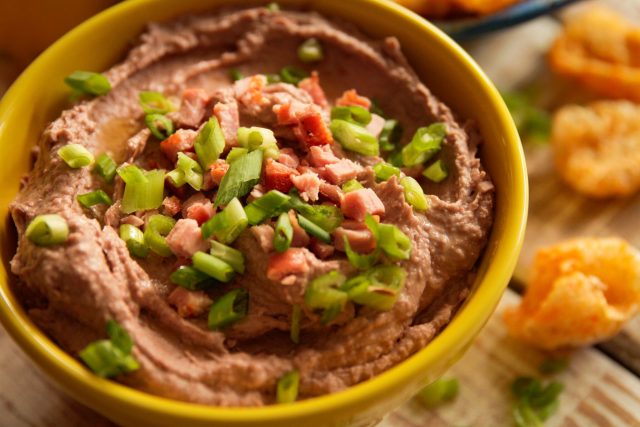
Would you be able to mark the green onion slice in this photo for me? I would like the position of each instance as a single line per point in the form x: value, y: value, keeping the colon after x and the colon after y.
x: 158, y: 227
x: 227, y: 225
x: 414, y: 194
x: 323, y: 293
x: 390, y: 239
x: 108, y: 358
x: 143, y: 189
x: 354, y: 138
x: 353, y: 114
x: 230, y: 308
x: 105, y: 167
x: 310, y: 51
x: 438, y: 392
x: 266, y: 207
x: 160, y: 125
x: 351, y: 185
x: 191, y: 278
x: 213, y: 266
x: 294, y: 332
x: 48, y: 230
x: 287, y: 388
x: 436, y: 172
x: 377, y: 288
x: 154, y: 103
x: 284, y: 233
x: 273, y: 78
x: 360, y: 261
x: 426, y: 142
x: 235, y: 153
x: 313, y: 229
x: 209, y: 143
x: 94, y: 198
x: 292, y: 75
x: 273, y: 7
x: 256, y: 137
x: 390, y: 135
x: 235, y: 74
x: 395, y: 159
x: 134, y: 238
x: 75, y: 155
x: 187, y: 171
x: 87, y: 82
x: 384, y: 171
x: 327, y: 217
x: 231, y: 256
x: 242, y: 175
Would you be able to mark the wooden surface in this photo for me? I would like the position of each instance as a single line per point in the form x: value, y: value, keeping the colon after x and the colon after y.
x: 602, y: 389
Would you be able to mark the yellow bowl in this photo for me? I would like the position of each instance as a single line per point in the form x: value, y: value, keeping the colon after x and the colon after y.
x: 39, y: 95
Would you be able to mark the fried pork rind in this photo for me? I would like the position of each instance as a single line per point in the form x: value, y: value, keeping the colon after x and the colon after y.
x: 601, y: 50
x: 447, y: 8
x: 596, y: 148
x: 581, y: 292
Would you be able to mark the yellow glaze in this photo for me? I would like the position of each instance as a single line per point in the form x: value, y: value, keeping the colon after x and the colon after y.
x: 39, y: 95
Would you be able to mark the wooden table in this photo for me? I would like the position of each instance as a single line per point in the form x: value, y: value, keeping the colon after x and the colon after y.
x: 602, y: 383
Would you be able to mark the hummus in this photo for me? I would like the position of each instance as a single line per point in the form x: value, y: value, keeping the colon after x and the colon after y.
x: 73, y: 289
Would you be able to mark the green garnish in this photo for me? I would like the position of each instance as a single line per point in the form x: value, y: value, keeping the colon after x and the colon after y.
x: 354, y: 137
x: 242, y: 175
x: 294, y: 332
x: 426, y: 142
x: 87, y: 82
x: 235, y: 74
x: 390, y: 135
x: 360, y: 261
x: 191, y: 278
x: 134, y: 238
x: 310, y: 51
x: 273, y: 78
x: 327, y: 217
x: 108, y: 358
x: 323, y: 293
x: 235, y: 153
x: 47, y: 230
x: 353, y: 114
x: 160, y: 125
x: 266, y: 207
x: 228, y: 309
x: 533, y: 123
x: 436, y: 172
x: 375, y: 108
x: 283, y: 233
x: 292, y: 75
x: 395, y: 159
x: 438, y: 392
x: 154, y: 103
x: 227, y: 225
x: 390, y: 239
x: 351, y: 185
x: 314, y: 229
x: 384, y: 171
x: 75, y: 156
x: 273, y: 7
x: 377, y: 288
x: 535, y: 402
x: 256, y: 137
x: 213, y: 266
x: 414, y: 194
x: 158, y: 227
x: 187, y: 171
x: 94, y: 198
x: 287, y: 389
x: 143, y: 189
x: 209, y: 143
x: 105, y: 167
x: 231, y: 256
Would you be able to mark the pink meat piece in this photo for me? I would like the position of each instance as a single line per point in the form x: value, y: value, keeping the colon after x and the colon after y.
x: 193, y: 108
x: 171, y: 206
x: 311, y: 85
x: 321, y: 155
x: 331, y: 192
x: 308, y: 184
x: 185, y: 239
x: 189, y: 303
x: 358, y: 203
x: 229, y: 119
x: 300, y: 237
x: 136, y: 221
x: 250, y: 92
x: 264, y: 235
x: 289, y: 158
x: 341, y: 172
x: 198, y: 207
x: 375, y: 125
x: 293, y: 261
x: 320, y: 249
x: 361, y: 241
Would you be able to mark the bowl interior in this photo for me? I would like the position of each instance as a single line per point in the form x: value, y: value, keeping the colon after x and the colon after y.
x: 39, y: 95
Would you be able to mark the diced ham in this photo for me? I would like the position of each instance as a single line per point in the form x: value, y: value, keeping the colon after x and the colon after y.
x: 256, y: 192
x: 278, y: 176
x: 375, y: 125
x: 361, y: 241
x: 136, y: 221
x: 229, y: 119
x: 311, y: 85
x: 351, y: 98
x: 331, y: 192
x: 185, y: 239
x: 193, y: 107
x: 199, y: 208
x: 320, y: 249
x: 217, y: 171
x: 358, y: 203
x: 182, y: 140
x: 289, y: 158
x: 308, y: 124
x: 321, y: 156
x: 264, y: 235
x: 189, y: 303
x: 249, y: 91
x: 285, y: 114
x: 293, y: 261
x: 300, y: 237
x: 341, y: 172
x: 171, y: 206
x: 308, y: 184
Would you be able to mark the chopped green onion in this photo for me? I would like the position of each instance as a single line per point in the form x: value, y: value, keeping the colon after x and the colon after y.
x: 191, y: 278
x: 209, y: 143
x: 436, y: 172
x: 227, y: 225
x: 375, y: 108
x: 354, y: 138
x: 294, y: 332
x: 310, y: 51
x: 75, y: 156
x: 273, y: 78
x: 414, y: 194
x: 287, y: 388
x: 553, y: 366
x: 94, y: 198
x: 534, y: 402
x: 48, y: 230
x: 266, y: 207
x: 384, y: 171
x: 158, y: 227
x: 134, y: 238
x: 426, y: 142
x: 231, y: 256
x: 323, y: 293
x: 213, y: 266
x: 283, y: 234
x: 187, y: 171
x: 143, y: 189
x: 256, y: 137
x: 230, y: 308
x: 242, y: 175
x: 154, y: 103
x: 438, y: 392
x: 235, y: 74
x: 292, y: 75
x: 353, y: 114
x: 105, y: 167
x: 533, y: 123
x: 314, y: 229
x: 160, y: 125
x: 108, y: 358
x: 524, y: 416
x: 395, y: 159
x: 377, y: 288
x: 235, y: 153
x: 273, y: 7
x: 390, y: 239
x: 390, y: 135
x: 87, y: 82
x: 327, y: 217
x: 359, y: 261
x: 351, y: 185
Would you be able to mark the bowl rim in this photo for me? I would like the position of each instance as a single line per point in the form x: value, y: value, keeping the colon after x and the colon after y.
x: 473, y: 314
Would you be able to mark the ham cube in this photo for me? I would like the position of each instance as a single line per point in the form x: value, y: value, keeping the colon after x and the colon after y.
x: 341, y: 172
x: 180, y: 141
x: 331, y: 192
x: 193, y: 107
x: 358, y: 203
x: 217, y: 171
x: 308, y: 184
x: 351, y: 98
x: 311, y: 85
x: 189, y: 303
x: 321, y: 156
x: 321, y: 250
x: 361, y: 241
x: 229, y: 119
x: 278, y: 176
x: 293, y: 261
x: 264, y: 235
x: 289, y: 158
x: 171, y: 206
x: 312, y: 129
x: 199, y: 208
x: 185, y: 239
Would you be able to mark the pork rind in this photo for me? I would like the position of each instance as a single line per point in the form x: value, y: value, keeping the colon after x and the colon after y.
x: 596, y: 148
x: 601, y: 50
x: 447, y: 8
x: 581, y: 292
